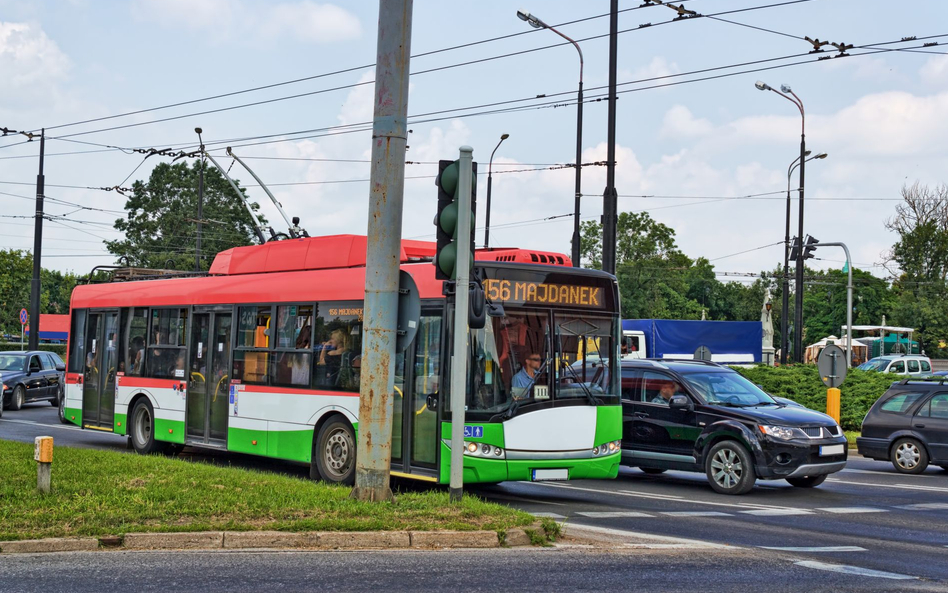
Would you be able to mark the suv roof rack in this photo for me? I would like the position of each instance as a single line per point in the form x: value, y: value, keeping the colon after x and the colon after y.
x: 939, y: 380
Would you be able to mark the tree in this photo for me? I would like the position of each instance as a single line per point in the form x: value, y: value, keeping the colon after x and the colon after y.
x: 15, y: 286
x: 161, y: 226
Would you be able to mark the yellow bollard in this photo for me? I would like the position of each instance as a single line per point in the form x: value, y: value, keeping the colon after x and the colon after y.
x: 43, y: 454
x: 832, y: 403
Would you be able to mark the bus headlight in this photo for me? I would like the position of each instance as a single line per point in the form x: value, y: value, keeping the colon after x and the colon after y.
x: 607, y: 448
x: 483, y: 450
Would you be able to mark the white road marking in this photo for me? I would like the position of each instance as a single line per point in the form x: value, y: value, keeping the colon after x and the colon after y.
x: 612, y: 514
x: 59, y: 426
x: 925, y: 506
x: 854, y: 570
x: 522, y: 499
x: 899, y: 486
x: 574, y: 528
x: 697, y: 514
x: 818, y: 549
x: 852, y: 510
x: 776, y: 512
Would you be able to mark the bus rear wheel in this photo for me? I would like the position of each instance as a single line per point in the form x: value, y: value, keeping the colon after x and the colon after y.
x: 143, y: 429
x: 334, y: 452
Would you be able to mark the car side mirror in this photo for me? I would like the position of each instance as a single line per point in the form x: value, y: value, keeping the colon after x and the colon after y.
x: 60, y: 367
x: 680, y: 402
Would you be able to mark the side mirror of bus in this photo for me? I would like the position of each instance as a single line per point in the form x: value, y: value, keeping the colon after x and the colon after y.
x: 432, y: 402
x: 495, y: 309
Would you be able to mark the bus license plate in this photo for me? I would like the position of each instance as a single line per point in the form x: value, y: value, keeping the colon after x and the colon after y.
x: 543, y: 475
x: 831, y: 450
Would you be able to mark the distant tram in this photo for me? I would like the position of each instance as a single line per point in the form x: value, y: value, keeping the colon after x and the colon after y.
x: 263, y: 356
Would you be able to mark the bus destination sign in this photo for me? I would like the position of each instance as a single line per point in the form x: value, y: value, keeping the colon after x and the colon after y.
x: 543, y: 293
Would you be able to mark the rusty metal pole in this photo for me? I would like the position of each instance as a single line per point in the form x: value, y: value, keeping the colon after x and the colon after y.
x: 387, y: 185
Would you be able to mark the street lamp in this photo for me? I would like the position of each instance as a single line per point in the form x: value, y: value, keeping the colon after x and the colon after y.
x: 489, y: 180
x: 200, y: 221
x: 785, y: 311
x: 538, y: 24
x: 786, y: 93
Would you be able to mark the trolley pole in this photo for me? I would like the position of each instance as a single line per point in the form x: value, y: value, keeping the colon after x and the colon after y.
x: 386, y: 194
x: 461, y: 308
x: 37, y: 250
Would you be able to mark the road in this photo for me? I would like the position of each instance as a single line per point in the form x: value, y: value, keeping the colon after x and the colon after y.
x: 866, y: 525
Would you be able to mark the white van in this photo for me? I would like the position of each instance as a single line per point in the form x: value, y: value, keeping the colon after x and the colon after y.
x: 899, y: 364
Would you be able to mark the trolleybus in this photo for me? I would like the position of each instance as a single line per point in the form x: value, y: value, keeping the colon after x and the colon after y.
x: 262, y: 355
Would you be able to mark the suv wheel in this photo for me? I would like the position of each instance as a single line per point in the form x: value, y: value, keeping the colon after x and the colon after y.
x: 729, y: 468
x: 909, y: 456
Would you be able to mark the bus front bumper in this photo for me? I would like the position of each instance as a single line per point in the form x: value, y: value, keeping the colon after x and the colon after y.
x: 478, y: 470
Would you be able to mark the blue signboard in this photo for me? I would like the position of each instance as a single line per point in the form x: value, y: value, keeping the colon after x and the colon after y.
x: 473, y: 432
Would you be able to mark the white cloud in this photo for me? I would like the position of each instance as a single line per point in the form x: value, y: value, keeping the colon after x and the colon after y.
x: 935, y: 71
x: 680, y: 123
x: 221, y: 20
x: 30, y: 62
x: 657, y: 68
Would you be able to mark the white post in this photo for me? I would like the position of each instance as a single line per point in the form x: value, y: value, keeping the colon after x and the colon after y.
x: 459, y: 360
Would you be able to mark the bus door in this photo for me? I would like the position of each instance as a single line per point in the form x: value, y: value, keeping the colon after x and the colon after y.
x: 98, y: 385
x: 415, y: 430
x: 208, y: 380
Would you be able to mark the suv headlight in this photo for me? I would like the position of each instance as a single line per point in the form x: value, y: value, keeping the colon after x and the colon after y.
x: 784, y: 433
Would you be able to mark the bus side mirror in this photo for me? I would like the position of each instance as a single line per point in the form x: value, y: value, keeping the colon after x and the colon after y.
x: 477, y: 315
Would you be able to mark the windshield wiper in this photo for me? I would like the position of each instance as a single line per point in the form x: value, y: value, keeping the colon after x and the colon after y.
x: 730, y: 404
x: 589, y: 396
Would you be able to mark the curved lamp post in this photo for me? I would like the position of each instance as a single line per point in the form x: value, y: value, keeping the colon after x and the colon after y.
x: 538, y: 24
x: 789, y: 95
x: 489, y: 179
x: 785, y: 311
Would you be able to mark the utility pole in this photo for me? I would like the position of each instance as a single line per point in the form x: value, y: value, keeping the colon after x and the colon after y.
x: 609, y: 197
x: 387, y: 185
x: 37, y: 249
x: 200, y: 223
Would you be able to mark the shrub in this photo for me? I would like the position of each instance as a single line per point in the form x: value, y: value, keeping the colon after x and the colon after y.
x: 802, y: 384
x: 59, y: 349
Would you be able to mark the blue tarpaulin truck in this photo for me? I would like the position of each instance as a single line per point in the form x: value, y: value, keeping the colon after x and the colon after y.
x: 730, y: 342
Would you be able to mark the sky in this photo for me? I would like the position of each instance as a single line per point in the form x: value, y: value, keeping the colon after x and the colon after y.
x: 694, y: 135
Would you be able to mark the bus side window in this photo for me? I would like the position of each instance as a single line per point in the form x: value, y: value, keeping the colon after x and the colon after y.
x: 253, y: 340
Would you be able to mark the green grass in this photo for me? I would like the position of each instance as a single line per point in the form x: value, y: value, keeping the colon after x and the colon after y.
x: 96, y: 493
x: 851, y: 437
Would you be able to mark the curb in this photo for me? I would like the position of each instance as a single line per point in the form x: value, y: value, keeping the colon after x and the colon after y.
x: 245, y: 540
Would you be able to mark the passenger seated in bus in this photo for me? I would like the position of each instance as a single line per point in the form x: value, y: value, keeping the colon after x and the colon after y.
x: 177, y: 369
x: 331, y: 358
x: 135, y: 355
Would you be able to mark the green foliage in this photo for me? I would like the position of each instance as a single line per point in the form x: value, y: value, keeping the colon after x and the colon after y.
x: 161, y: 226
x: 15, y: 285
x: 802, y: 384
x: 96, y: 493
x: 59, y: 349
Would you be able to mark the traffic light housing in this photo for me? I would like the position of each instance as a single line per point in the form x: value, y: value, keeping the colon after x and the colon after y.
x: 810, y: 247
x: 794, y: 249
x: 446, y: 220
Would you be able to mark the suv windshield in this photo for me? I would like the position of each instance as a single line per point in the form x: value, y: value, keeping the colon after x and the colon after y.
x: 727, y: 389
x: 535, y: 356
x: 876, y: 364
x: 12, y: 362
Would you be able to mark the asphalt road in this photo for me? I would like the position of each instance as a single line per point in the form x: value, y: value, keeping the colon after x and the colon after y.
x: 866, y: 528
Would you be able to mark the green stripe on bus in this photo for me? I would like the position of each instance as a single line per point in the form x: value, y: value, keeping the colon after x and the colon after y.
x: 121, y: 426
x: 74, y: 415
x: 608, y: 424
x: 292, y: 445
x: 171, y: 431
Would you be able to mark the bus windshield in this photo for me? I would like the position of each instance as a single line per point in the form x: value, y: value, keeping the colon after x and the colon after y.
x: 536, y: 356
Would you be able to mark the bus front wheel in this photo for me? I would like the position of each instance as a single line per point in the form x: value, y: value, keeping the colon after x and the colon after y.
x: 143, y: 429
x: 334, y: 452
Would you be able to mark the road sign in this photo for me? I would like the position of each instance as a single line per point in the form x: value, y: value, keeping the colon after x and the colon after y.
x: 703, y: 353
x: 24, y: 317
x: 832, y: 366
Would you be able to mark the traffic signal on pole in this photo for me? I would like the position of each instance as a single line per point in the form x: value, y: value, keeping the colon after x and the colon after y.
x: 446, y: 219
x: 810, y: 247
x: 794, y: 249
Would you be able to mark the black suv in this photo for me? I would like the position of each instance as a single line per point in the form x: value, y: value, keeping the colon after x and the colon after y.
x: 908, y: 426
x: 702, y: 417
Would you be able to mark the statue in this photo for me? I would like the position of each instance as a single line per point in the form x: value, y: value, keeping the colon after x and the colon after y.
x: 767, y: 323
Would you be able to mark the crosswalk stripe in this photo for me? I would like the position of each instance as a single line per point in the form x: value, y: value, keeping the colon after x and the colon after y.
x: 777, y: 512
x: 924, y: 506
x: 852, y: 510
x: 817, y: 549
x: 854, y: 570
x: 697, y: 514
x: 612, y: 514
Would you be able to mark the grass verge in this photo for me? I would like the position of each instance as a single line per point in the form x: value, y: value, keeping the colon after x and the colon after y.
x: 97, y: 493
x: 851, y: 437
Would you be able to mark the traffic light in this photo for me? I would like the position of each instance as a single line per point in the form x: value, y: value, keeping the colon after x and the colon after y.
x: 810, y: 247
x: 447, y: 218
x: 795, y: 249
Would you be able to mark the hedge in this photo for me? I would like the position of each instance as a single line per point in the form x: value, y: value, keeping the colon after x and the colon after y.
x: 59, y: 349
x: 802, y: 384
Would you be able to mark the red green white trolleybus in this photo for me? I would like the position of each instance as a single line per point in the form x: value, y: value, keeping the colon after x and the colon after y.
x: 262, y: 355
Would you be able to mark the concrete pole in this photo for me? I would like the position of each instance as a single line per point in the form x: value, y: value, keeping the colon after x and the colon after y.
x: 609, y: 196
x: 35, y: 285
x: 459, y: 360
x: 386, y: 187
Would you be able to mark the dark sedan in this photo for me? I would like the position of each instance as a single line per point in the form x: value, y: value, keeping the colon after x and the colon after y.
x: 31, y: 376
